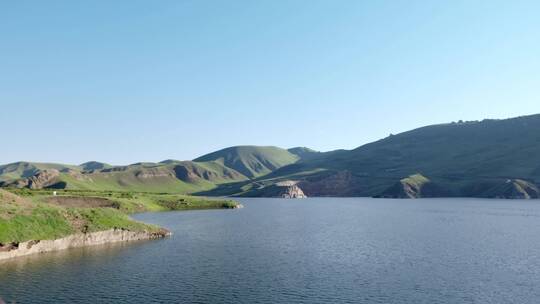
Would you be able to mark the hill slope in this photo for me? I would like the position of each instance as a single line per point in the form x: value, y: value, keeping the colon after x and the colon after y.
x: 461, y: 159
x: 94, y: 165
x: 169, y: 176
x: 177, y: 177
x: 489, y: 158
x: 251, y: 161
x: 14, y: 171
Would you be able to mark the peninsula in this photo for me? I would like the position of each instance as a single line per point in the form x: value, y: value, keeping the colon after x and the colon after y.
x: 35, y: 221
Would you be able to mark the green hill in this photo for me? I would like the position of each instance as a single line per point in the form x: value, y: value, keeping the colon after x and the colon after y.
x: 94, y: 165
x: 231, y: 165
x: 305, y: 153
x: 169, y: 176
x: 469, y: 159
x: 251, y: 161
x: 178, y: 177
x: 458, y: 159
x: 14, y: 171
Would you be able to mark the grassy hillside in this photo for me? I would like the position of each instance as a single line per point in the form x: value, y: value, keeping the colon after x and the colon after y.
x: 94, y: 165
x: 179, y: 177
x: 170, y: 177
x: 460, y: 159
x: 31, y: 218
x: 491, y: 148
x: 14, y: 171
x: 304, y: 153
x: 230, y: 165
x: 251, y: 161
x: 37, y: 215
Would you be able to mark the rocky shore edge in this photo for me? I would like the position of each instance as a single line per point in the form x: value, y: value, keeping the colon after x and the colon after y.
x: 12, y: 250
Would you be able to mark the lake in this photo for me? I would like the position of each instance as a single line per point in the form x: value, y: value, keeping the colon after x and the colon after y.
x: 317, y: 250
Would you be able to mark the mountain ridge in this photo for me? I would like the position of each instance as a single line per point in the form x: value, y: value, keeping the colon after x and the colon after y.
x: 471, y: 159
x: 170, y: 175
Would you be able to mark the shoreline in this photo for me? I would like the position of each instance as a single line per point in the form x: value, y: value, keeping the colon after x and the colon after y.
x: 14, y: 250
x: 77, y: 240
x: 36, y: 222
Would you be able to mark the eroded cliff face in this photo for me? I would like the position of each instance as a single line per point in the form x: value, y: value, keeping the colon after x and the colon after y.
x: 189, y: 172
x: 340, y: 183
x: 151, y: 173
x: 40, y: 180
x: 13, y: 250
x: 77, y: 175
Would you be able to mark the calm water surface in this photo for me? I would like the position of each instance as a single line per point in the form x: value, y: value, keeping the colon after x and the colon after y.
x: 322, y: 250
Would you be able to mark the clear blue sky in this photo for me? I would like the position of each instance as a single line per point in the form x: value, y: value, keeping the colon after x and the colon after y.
x: 127, y: 81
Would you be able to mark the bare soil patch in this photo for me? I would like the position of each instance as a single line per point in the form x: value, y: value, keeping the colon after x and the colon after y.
x: 82, y: 202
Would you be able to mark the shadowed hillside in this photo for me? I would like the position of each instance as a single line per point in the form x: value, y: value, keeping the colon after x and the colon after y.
x: 458, y: 159
x: 489, y: 158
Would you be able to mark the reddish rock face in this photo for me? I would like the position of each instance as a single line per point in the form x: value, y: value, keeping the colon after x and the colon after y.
x: 339, y: 183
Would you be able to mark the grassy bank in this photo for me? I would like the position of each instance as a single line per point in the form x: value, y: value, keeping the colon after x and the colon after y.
x: 38, y: 215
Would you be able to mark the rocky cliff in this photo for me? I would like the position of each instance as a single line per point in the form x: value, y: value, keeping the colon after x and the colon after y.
x: 292, y: 191
x: 285, y: 189
x: 40, y: 180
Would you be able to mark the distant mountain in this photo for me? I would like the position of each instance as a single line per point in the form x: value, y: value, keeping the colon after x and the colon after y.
x: 169, y: 176
x: 457, y: 159
x: 22, y: 169
x: 169, y: 161
x: 251, y: 161
x: 94, y: 165
x: 489, y: 158
x: 180, y: 177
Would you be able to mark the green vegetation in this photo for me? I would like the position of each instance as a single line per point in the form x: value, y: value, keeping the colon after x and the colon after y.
x: 37, y: 215
x: 470, y: 159
x: 252, y: 161
x: 94, y: 165
x: 40, y: 222
x: 183, y: 203
x: 19, y: 170
x: 414, y: 186
x: 305, y: 153
x: 231, y: 165
x: 416, y: 180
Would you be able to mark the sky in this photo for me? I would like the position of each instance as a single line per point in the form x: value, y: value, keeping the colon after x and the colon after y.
x: 129, y: 81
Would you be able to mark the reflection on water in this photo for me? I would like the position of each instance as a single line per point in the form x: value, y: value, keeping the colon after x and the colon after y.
x: 323, y: 250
